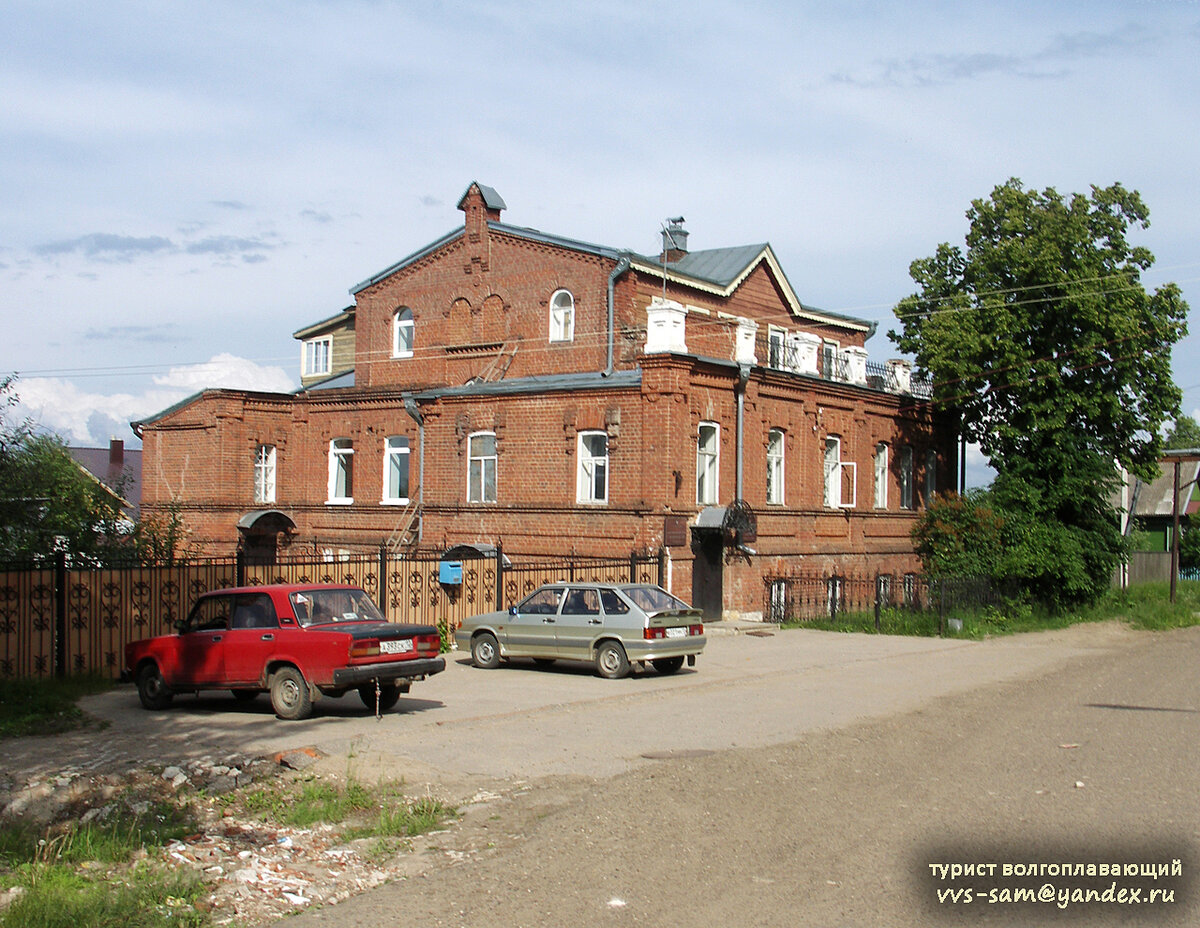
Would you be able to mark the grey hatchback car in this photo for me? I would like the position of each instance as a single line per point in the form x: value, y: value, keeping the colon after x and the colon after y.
x: 611, y: 625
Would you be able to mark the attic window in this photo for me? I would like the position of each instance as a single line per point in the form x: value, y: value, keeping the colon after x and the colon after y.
x: 562, y: 316
x: 316, y: 356
x: 403, y: 330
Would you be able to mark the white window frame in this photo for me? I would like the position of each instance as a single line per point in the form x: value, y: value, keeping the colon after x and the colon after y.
x: 881, y: 475
x: 592, y: 473
x: 562, y: 316
x: 907, y: 490
x: 839, y: 475
x: 478, y: 469
x: 777, y: 347
x: 776, y: 443
x: 930, y: 475
x: 341, y: 472
x: 395, y: 448
x: 708, y: 465
x: 264, y: 474
x: 403, y: 333
x: 314, y: 350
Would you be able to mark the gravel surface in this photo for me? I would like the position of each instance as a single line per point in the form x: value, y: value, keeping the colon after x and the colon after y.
x: 801, y: 779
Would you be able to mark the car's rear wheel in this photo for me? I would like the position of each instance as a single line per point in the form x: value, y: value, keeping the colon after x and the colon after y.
x: 244, y: 695
x: 389, y: 695
x: 152, y: 689
x: 290, y: 697
x: 485, y: 652
x: 611, y: 661
x: 667, y: 665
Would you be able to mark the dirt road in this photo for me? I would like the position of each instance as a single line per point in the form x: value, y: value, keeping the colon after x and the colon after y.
x: 1086, y: 752
x: 806, y: 778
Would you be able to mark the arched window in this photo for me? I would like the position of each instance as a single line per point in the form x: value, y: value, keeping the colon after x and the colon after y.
x: 707, y: 463
x: 775, y: 467
x: 402, y: 333
x: 562, y: 316
x: 395, y: 469
x: 592, y: 479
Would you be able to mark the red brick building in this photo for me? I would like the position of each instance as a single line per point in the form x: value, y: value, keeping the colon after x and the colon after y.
x: 504, y: 385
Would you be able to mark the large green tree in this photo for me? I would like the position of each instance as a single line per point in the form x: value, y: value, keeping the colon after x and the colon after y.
x: 46, y: 500
x: 1056, y: 357
x: 1184, y: 435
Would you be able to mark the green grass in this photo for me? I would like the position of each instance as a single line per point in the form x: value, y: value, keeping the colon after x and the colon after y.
x: 46, y: 706
x: 114, y: 840
x: 382, y: 811
x: 57, y: 896
x: 1146, y: 606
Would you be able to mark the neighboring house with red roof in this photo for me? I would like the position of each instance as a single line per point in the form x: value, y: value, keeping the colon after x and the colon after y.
x: 118, y: 469
x: 506, y: 385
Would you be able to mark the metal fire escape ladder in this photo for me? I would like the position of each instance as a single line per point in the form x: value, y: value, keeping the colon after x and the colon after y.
x: 499, y: 364
x: 400, y: 536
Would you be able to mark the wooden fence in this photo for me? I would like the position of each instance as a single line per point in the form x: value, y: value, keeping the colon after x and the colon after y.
x: 62, y: 619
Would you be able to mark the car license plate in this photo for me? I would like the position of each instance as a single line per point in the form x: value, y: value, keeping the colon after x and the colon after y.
x: 396, y: 646
x: 680, y: 632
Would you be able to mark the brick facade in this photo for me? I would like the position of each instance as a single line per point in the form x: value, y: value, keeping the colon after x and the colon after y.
x: 481, y: 360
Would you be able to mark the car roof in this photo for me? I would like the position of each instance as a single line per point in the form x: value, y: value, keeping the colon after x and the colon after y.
x: 282, y: 588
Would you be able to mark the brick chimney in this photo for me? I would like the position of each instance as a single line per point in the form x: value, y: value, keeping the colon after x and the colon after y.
x: 674, y: 240
x: 116, y: 453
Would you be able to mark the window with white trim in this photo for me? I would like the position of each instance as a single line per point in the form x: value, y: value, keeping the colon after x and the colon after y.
x: 341, y: 471
x: 395, y: 469
x: 264, y: 474
x: 930, y: 475
x: 906, y: 478
x: 881, y: 475
x: 707, y: 463
x: 562, y: 316
x: 481, y: 467
x: 841, y: 477
x: 776, y: 339
x: 402, y: 333
x: 592, y: 479
x: 317, y: 356
x: 775, y: 467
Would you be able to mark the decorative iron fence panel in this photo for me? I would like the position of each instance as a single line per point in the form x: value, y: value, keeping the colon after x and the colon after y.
x: 57, y: 620
x: 804, y: 598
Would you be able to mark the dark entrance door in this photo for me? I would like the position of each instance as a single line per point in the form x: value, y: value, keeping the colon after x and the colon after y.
x: 707, y: 582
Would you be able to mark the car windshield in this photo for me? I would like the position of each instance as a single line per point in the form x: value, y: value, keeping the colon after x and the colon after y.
x: 325, y: 607
x: 651, y: 599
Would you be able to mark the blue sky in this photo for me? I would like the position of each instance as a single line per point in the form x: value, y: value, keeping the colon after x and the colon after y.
x: 187, y: 184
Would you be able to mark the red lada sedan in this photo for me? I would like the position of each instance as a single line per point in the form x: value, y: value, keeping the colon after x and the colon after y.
x: 298, y: 642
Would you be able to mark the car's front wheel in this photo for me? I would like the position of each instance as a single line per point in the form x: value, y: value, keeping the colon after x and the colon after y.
x: 389, y: 695
x: 290, y: 697
x: 667, y: 665
x: 611, y: 661
x: 485, y: 652
x: 152, y: 689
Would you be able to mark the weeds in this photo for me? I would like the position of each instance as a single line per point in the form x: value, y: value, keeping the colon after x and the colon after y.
x: 46, y: 707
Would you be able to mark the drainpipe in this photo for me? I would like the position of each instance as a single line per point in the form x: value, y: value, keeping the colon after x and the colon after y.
x: 740, y: 389
x: 410, y: 407
x: 621, y: 268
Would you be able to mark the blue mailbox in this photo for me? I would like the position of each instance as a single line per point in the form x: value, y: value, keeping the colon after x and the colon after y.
x: 450, y: 573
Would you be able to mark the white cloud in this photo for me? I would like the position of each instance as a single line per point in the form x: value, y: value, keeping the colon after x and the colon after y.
x: 91, y: 418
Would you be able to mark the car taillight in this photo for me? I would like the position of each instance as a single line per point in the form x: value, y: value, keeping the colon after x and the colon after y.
x: 431, y: 644
x: 695, y: 629
x: 366, y: 647
x: 652, y: 634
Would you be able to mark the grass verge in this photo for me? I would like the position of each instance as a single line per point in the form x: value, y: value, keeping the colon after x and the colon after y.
x: 46, y: 707
x: 1146, y: 606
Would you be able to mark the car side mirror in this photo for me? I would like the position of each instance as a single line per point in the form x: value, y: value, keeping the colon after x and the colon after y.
x: 181, y: 625
x: 512, y: 610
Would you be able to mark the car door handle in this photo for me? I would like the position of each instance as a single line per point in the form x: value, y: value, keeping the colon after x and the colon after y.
x: 548, y: 621
x: 216, y: 637
x: 595, y: 621
x: 268, y: 637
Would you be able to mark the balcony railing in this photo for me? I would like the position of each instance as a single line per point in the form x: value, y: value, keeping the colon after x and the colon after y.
x: 785, y: 356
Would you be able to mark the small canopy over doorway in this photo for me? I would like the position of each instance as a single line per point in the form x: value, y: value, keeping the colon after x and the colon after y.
x: 264, y: 533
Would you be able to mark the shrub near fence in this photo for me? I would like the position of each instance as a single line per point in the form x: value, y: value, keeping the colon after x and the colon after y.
x: 62, y: 619
x: 804, y: 598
